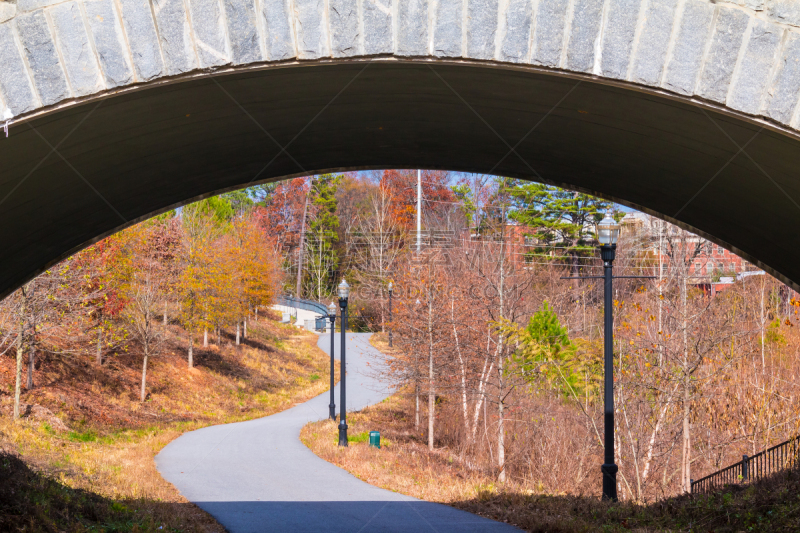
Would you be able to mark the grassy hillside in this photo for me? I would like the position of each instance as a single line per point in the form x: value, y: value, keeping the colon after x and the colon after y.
x: 404, y: 464
x: 81, y: 457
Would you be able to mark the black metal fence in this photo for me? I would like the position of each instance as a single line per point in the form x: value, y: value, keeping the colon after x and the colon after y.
x: 761, y: 465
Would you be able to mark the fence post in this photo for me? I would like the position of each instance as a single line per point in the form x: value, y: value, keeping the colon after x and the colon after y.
x: 691, y: 486
x: 744, y: 468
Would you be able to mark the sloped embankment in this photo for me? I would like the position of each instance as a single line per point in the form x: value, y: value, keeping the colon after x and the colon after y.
x: 81, y: 458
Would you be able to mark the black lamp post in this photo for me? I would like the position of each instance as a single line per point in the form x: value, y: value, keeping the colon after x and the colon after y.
x: 332, y: 317
x: 391, y: 289
x: 344, y: 293
x: 608, y: 233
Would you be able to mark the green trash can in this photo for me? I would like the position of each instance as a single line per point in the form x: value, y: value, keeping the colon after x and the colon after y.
x: 375, y: 439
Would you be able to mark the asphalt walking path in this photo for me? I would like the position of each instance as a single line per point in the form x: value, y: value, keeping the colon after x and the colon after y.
x: 257, y: 476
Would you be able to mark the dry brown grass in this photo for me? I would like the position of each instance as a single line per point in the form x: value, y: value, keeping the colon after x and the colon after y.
x: 405, y: 465
x: 111, y: 439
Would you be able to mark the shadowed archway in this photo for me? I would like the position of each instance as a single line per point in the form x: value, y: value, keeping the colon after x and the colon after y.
x: 73, y: 175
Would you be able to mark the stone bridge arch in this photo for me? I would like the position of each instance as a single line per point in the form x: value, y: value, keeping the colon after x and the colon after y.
x: 742, y: 55
x: 119, y: 109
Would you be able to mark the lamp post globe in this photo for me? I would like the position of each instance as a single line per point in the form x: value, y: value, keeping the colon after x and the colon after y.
x: 344, y: 291
x: 608, y: 234
x: 344, y: 294
x: 391, y: 290
x: 608, y: 230
x: 332, y: 317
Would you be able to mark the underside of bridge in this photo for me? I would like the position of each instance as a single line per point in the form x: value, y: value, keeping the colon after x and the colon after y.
x: 74, y: 175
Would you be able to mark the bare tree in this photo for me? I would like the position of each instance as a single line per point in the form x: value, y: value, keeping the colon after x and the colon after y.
x: 145, y: 291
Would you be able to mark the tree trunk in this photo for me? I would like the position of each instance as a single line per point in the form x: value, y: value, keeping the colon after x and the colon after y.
x: 205, y: 338
x: 763, y: 323
x: 660, y: 335
x: 501, y: 442
x: 20, y: 350
x: 244, y: 328
x: 191, y: 350
x: 686, y: 456
x: 238, y: 333
x: 416, y: 405
x: 431, y: 382
x: 463, y: 370
x: 144, y: 378
x: 685, y: 448
x: 31, y: 365
x: 98, y: 358
x: 219, y: 337
x: 165, y: 312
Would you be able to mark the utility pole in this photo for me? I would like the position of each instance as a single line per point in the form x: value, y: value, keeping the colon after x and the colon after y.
x: 419, y: 210
x: 300, y: 249
x: 501, y: 440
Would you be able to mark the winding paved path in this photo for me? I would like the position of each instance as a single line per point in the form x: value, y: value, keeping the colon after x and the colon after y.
x: 257, y: 476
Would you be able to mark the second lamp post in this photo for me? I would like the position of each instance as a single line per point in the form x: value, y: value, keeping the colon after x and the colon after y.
x: 608, y: 233
x: 391, y: 290
x: 344, y: 294
x: 332, y: 317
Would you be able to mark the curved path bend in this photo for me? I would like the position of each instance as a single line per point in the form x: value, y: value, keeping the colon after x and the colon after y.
x: 257, y: 476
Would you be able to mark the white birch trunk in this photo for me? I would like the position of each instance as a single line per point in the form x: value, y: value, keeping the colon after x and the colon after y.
x: 144, y: 378
x: 431, y: 381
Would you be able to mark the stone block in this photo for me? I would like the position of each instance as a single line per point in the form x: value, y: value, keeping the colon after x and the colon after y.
x: 7, y: 11
x: 312, y: 33
x: 720, y: 60
x: 784, y: 11
x: 412, y: 28
x: 687, y: 50
x: 378, y: 32
x: 25, y: 6
x: 278, y: 29
x: 76, y: 50
x: 16, y: 87
x: 109, y: 42
x: 481, y: 28
x: 209, y: 32
x: 586, y: 20
x: 750, y: 85
x: 782, y: 96
x: 651, y: 53
x: 40, y: 51
x: 517, y: 38
x: 447, y: 30
x: 756, y: 5
x: 175, y: 35
x: 242, y: 31
x: 620, y: 29
x: 345, y: 36
x: 137, y: 18
x: 548, y: 37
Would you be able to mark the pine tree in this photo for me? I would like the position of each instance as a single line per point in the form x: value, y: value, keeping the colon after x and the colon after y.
x: 559, y: 218
x: 322, y: 236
